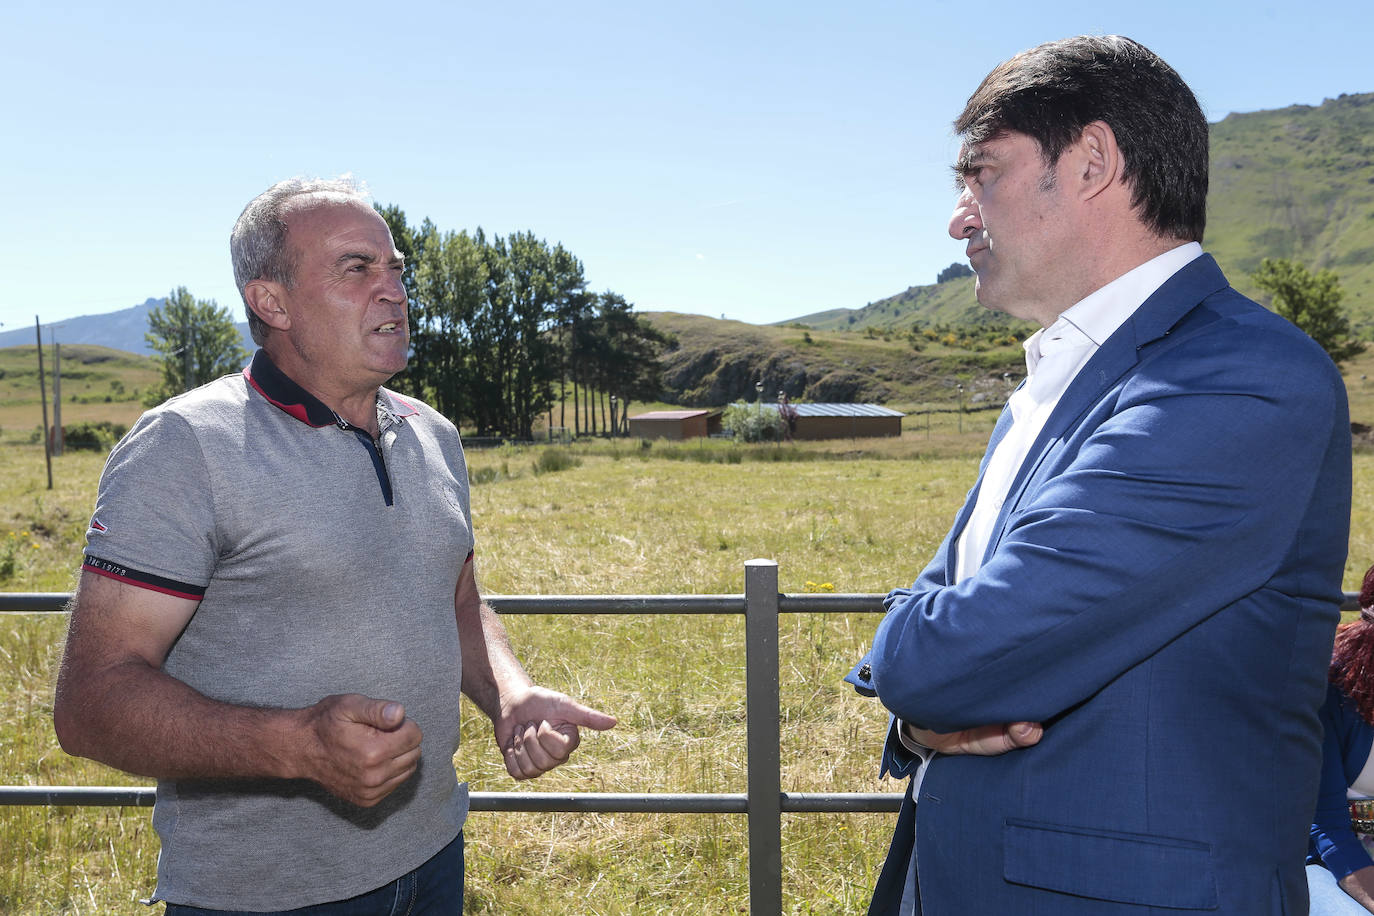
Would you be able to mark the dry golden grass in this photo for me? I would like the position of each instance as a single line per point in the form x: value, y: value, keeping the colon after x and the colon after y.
x: 669, y: 519
x: 618, y: 523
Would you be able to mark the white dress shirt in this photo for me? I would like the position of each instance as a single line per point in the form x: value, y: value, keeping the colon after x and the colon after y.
x: 1054, y: 356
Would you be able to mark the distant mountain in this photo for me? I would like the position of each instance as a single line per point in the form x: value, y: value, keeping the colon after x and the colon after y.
x: 1295, y: 182
x: 121, y: 330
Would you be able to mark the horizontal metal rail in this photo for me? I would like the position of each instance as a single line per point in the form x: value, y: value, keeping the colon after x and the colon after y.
x: 821, y: 603
x: 763, y: 803
x: 535, y: 802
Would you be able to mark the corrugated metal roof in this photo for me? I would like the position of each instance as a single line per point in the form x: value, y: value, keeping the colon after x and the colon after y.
x: 841, y: 410
x: 669, y: 414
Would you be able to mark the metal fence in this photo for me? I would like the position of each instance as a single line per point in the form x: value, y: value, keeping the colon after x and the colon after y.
x: 762, y: 803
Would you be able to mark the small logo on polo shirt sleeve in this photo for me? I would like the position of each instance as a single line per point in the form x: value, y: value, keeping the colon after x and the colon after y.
x: 97, y: 527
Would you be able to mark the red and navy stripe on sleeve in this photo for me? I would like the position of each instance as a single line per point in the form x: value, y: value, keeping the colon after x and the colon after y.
x: 142, y: 579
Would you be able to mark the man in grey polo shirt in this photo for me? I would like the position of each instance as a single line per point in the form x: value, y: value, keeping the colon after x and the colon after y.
x: 278, y: 606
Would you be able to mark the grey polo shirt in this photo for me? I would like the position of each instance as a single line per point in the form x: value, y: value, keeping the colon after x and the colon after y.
x: 324, y: 563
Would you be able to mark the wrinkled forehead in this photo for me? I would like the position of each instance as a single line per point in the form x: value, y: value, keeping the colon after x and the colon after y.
x: 337, y: 219
x: 322, y: 200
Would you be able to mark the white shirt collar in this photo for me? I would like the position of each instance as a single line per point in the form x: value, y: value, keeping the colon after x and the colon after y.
x: 1096, y: 317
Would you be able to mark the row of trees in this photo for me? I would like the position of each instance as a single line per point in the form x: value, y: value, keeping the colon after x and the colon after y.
x: 503, y: 330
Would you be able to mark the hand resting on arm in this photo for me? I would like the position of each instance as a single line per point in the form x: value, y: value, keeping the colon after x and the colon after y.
x: 115, y: 704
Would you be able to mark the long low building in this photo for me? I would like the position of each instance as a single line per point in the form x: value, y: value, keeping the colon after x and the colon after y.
x: 844, y: 421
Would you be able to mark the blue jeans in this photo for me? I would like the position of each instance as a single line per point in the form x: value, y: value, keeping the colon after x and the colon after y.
x: 433, y: 889
x: 1327, y: 897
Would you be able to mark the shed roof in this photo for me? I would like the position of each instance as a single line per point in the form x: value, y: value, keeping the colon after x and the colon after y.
x: 669, y: 414
x: 841, y: 410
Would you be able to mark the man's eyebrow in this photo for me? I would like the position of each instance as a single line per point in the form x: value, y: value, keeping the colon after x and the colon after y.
x: 396, y: 258
x: 969, y: 159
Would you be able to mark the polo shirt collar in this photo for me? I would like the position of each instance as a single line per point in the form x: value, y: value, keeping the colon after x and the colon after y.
x: 283, y: 393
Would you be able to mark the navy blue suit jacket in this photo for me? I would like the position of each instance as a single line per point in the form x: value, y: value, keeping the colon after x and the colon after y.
x: 1161, y: 592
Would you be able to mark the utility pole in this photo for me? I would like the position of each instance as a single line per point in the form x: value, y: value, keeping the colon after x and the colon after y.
x: 58, y: 441
x: 43, y: 399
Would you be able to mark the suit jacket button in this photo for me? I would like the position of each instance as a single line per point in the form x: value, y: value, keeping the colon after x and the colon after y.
x: 866, y: 672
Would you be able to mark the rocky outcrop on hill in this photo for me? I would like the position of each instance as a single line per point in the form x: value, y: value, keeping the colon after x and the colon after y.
x: 714, y: 378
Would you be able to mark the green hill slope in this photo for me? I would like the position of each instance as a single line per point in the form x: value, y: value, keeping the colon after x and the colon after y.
x: 717, y: 362
x: 1296, y: 182
x: 90, y: 374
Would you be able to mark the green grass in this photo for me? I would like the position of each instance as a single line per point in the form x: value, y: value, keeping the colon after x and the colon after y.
x: 626, y: 520
x: 857, y: 515
x: 90, y: 375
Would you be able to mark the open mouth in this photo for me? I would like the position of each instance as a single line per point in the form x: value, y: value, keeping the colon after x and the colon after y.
x: 388, y: 328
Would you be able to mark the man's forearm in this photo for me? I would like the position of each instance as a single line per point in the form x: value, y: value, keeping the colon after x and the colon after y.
x: 490, y: 667
x: 140, y: 720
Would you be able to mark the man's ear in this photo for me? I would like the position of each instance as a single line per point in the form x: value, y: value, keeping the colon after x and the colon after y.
x: 265, y: 298
x: 1098, y: 164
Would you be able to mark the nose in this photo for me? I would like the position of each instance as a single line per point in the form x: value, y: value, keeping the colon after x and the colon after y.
x: 393, y: 290
x: 966, y: 219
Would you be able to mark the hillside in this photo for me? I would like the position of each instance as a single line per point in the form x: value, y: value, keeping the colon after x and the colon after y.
x: 717, y: 362
x: 1298, y: 183
x: 1295, y: 182
x: 90, y: 374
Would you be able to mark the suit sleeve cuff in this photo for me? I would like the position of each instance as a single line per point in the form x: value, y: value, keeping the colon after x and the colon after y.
x: 911, y: 744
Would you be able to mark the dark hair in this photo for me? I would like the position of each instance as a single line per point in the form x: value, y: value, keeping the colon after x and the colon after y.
x: 1352, y: 659
x: 1051, y: 92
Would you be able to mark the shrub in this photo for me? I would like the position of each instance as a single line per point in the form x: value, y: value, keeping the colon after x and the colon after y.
x: 483, y: 475
x: 97, y: 436
x: 748, y: 423
x: 555, y: 459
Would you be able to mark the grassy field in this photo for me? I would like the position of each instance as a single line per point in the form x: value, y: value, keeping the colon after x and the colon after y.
x: 624, y: 520
x: 852, y: 516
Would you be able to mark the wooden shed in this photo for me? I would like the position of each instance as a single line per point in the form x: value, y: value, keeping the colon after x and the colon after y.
x: 675, y: 424
x: 844, y: 421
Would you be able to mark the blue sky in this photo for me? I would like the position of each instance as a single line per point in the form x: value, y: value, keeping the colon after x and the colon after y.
x: 755, y: 159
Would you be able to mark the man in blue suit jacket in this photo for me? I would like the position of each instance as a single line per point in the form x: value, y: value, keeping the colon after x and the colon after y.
x: 1115, y: 660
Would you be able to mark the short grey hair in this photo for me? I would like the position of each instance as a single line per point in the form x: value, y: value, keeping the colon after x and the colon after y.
x: 258, y: 243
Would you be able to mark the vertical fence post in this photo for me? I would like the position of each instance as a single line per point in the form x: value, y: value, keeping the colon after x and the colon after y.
x: 764, y: 734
